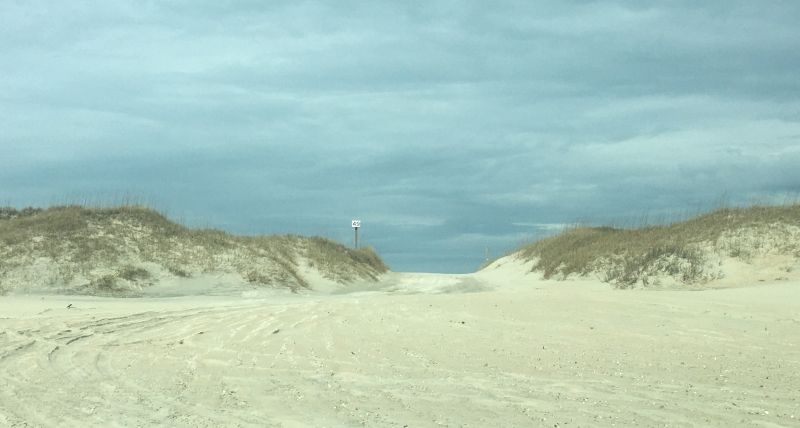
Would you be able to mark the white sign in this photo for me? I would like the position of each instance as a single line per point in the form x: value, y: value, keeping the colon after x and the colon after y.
x: 356, y: 223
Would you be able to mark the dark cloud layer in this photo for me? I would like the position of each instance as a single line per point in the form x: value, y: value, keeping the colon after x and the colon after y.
x: 444, y: 126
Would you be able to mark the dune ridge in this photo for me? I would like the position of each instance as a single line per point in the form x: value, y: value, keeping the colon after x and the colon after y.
x: 709, y: 249
x: 123, y: 250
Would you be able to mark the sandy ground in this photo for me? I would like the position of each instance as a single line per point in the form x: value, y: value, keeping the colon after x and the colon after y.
x: 417, y: 350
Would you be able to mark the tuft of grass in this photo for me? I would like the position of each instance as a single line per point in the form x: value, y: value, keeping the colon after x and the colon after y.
x: 133, y: 273
x: 105, y: 283
x: 627, y: 256
x: 177, y: 271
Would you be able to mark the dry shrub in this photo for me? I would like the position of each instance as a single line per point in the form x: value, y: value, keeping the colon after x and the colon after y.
x: 177, y: 271
x: 105, y: 283
x: 133, y: 273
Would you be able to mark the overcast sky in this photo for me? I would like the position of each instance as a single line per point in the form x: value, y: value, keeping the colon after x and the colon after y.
x: 444, y: 126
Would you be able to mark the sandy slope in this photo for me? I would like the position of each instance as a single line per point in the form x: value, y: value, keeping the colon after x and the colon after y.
x: 495, y: 348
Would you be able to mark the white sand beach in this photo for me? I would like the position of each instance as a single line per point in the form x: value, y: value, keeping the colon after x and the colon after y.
x: 495, y: 348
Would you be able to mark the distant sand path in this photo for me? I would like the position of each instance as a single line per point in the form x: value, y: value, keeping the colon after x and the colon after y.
x: 563, y: 354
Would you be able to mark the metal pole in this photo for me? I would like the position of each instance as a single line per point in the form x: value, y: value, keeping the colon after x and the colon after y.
x: 356, y: 237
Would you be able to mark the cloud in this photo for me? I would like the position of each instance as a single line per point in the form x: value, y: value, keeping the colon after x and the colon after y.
x: 441, y: 125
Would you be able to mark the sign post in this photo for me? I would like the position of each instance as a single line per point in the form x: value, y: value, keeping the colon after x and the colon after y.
x: 356, y: 224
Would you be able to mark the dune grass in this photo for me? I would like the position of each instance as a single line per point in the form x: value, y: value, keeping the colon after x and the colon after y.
x: 105, y: 249
x: 627, y: 256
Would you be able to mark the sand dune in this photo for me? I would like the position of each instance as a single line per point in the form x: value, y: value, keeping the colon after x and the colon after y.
x: 488, y: 349
x: 124, y: 251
